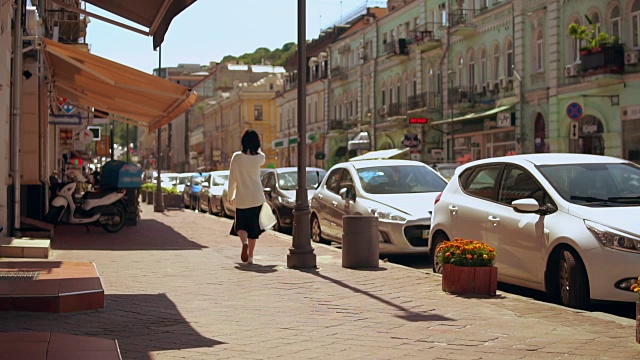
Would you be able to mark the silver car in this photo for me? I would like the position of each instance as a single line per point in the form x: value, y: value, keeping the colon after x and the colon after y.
x: 400, y: 193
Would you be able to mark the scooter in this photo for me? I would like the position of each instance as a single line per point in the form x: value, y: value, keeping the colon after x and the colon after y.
x: 104, y: 207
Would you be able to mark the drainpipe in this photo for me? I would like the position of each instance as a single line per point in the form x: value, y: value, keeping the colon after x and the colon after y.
x: 43, y: 113
x: 16, y: 124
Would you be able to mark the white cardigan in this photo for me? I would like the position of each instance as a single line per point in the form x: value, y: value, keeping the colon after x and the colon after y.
x: 244, y: 176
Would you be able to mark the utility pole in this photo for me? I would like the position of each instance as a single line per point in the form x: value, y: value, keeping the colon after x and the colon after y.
x: 158, y: 202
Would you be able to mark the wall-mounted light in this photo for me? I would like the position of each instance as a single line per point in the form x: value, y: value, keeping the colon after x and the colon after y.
x: 27, y: 74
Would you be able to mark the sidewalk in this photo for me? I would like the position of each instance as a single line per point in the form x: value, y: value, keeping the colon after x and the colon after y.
x: 175, y: 289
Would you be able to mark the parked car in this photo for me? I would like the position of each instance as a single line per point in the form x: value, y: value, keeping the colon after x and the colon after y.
x: 191, y: 190
x: 560, y: 223
x: 446, y: 169
x: 168, y: 180
x: 280, y: 191
x: 229, y: 210
x: 399, y: 192
x: 211, y: 193
x: 183, y: 179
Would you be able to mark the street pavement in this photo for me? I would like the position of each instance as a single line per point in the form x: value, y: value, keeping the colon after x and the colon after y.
x: 175, y: 289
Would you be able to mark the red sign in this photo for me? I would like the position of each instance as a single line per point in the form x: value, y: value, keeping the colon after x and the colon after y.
x: 418, y: 120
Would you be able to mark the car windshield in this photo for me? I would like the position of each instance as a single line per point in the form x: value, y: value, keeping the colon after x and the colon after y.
x: 400, y: 179
x: 289, y: 180
x: 219, y: 180
x: 170, y: 179
x: 595, y: 184
x: 183, y: 180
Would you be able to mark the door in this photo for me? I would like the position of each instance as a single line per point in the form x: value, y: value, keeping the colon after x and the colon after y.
x: 327, y: 202
x: 344, y: 207
x: 518, y: 238
x: 468, y: 205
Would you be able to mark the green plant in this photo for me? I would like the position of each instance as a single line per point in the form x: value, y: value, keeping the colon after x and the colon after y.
x: 589, y: 36
x: 171, y: 191
x: 149, y: 187
x: 461, y: 252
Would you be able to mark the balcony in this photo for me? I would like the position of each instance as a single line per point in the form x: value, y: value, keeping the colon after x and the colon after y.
x: 461, y: 22
x: 338, y: 124
x: 396, y: 47
x: 425, y: 40
x: 427, y: 100
x: 608, y: 59
x: 396, y: 109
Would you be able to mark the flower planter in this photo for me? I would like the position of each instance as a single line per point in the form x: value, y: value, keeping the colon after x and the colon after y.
x: 638, y: 322
x: 469, y: 280
x: 173, y: 201
x: 150, y: 197
x: 609, y: 59
x: 143, y: 196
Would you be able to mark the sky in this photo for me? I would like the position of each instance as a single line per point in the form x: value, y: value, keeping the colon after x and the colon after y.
x: 210, y: 29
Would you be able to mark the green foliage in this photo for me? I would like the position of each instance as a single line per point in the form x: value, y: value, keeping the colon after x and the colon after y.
x: 171, y: 191
x: 120, y: 134
x: 149, y: 187
x: 277, y: 57
x: 589, y: 36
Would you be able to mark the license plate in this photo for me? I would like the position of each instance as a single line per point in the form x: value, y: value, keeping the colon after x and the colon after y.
x: 425, y: 234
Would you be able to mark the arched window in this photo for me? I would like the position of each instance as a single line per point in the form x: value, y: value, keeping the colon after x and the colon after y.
x: 574, y: 45
x: 460, y: 70
x: 510, y: 63
x: 496, y: 63
x: 540, y: 51
x: 471, y: 70
x: 595, y: 20
x: 635, y: 23
x: 483, y: 66
x: 614, y: 22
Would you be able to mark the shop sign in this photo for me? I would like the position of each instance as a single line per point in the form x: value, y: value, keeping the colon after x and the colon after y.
x: 418, y: 121
x: 503, y: 119
x: 65, y: 119
x: 630, y: 112
x: 589, y: 129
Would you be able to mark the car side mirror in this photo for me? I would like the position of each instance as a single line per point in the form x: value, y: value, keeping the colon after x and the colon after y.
x: 525, y: 206
x: 347, y: 194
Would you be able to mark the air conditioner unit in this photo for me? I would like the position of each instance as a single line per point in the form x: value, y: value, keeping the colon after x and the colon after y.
x: 571, y: 70
x: 382, y: 110
x: 369, y: 19
x: 479, y: 89
x: 502, y: 82
x: 490, y: 85
x: 361, y: 53
x: 631, y: 57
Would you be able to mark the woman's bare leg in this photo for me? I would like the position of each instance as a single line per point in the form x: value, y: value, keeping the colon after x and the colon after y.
x: 244, y: 256
x: 252, y: 245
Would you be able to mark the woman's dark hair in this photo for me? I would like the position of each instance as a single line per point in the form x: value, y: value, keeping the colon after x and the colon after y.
x: 250, y: 142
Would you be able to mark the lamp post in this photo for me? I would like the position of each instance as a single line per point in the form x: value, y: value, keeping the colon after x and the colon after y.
x: 288, y: 142
x: 301, y: 255
x: 450, y: 150
x: 158, y: 203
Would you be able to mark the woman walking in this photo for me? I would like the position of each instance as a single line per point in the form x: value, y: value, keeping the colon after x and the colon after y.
x: 245, y: 190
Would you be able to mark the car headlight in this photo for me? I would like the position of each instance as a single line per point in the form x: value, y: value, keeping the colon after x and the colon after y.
x: 613, y: 239
x: 387, y: 216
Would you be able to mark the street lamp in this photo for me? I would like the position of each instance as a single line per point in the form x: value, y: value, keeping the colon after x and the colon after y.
x: 288, y: 142
x: 158, y: 201
x: 301, y: 255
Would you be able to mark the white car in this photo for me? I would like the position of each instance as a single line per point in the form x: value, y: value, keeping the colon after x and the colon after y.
x: 566, y: 224
x: 399, y: 192
x: 168, y: 180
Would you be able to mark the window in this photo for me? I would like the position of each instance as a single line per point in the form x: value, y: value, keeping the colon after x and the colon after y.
x: 595, y: 20
x: 635, y: 23
x: 439, y: 83
x: 482, y: 181
x: 519, y: 184
x: 614, y: 22
x: 575, y: 47
x: 315, y: 111
x: 390, y: 95
x: 460, y: 68
x: 510, y: 67
x: 540, y: 52
x: 333, y: 181
x: 257, y: 112
x: 398, y: 99
x: 384, y: 98
x: 496, y: 63
x: 472, y: 71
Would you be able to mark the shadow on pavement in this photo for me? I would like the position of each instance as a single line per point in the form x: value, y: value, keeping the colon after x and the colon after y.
x: 257, y: 268
x: 141, y: 323
x: 147, y: 235
x: 408, y: 315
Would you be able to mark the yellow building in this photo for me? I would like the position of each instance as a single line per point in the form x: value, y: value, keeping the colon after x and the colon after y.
x: 247, y: 106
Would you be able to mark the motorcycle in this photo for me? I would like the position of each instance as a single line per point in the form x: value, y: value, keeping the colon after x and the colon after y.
x: 104, y: 207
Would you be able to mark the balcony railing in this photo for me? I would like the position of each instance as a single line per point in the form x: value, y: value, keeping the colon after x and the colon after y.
x: 608, y: 59
x: 396, y: 109
x: 429, y: 100
x: 396, y: 47
x: 423, y: 39
x: 461, y: 21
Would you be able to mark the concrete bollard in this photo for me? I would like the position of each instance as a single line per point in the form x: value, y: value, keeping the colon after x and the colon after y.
x: 360, y: 242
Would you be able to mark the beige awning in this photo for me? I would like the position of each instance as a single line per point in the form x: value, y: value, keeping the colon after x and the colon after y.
x: 93, y: 81
x: 471, y: 116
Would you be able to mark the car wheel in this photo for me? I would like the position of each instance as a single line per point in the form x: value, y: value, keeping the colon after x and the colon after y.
x: 316, y: 230
x: 438, y: 239
x: 572, y: 281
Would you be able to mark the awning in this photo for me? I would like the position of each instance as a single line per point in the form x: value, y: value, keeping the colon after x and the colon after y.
x: 96, y: 82
x: 380, y: 154
x: 155, y: 15
x: 471, y: 116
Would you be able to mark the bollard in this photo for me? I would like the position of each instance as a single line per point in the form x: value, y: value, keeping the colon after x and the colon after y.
x: 360, y: 242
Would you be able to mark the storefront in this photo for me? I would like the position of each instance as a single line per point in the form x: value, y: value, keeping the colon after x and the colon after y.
x: 479, y: 135
x: 631, y: 133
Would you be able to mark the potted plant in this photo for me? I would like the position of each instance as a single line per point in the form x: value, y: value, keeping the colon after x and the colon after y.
x: 636, y: 288
x: 172, y: 198
x: 150, y: 188
x: 468, y: 267
x: 581, y: 33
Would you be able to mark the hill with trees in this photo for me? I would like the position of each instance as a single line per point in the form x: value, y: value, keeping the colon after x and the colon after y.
x: 277, y: 57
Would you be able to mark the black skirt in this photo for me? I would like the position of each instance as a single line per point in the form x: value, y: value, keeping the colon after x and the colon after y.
x: 247, y: 220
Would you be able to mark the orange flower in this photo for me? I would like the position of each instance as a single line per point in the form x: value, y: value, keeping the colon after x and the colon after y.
x: 469, y: 257
x: 447, y: 255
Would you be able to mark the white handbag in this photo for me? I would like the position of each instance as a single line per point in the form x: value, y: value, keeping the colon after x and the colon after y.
x: 266, y: 219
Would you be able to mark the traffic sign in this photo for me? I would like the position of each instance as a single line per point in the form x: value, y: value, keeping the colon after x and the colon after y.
x: 574, y: 111
x: 573, y: 132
